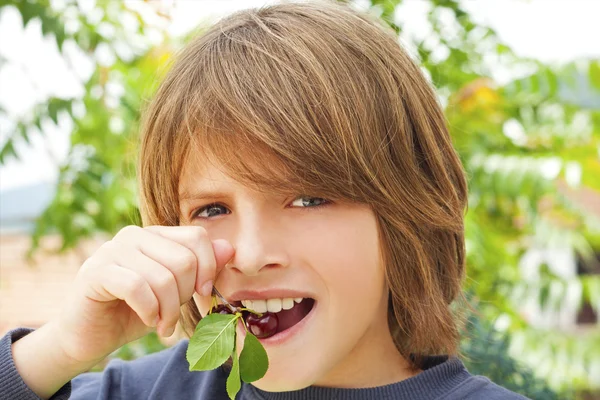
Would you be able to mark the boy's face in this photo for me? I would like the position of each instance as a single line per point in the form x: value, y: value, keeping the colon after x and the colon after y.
x: 326, y: 252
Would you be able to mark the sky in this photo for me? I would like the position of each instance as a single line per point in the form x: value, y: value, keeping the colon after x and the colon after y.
x: 549, y: 30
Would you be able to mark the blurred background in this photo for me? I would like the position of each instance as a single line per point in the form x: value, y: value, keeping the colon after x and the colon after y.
x: 520, y: 84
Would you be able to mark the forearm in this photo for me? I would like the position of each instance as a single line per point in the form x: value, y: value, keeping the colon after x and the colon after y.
x: 43, y: 366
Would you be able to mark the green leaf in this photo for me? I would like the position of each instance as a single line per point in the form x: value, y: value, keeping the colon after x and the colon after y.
x: 233, y: 380
x: 27, y: 12
x: 551, y: 80
x: 23, y: 132
x: 53, y: 108
x: 594, y: 74
x: 60, y: 36
x: 212, y: 342
x: 7, y: 150
x: 253, y: 359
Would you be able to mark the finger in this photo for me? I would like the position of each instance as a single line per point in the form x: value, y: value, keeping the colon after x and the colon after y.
x: 162, y: 282
x: 179, y: 259
x: 223, y: 251
x: 112, y: 281
x: 197, y: 240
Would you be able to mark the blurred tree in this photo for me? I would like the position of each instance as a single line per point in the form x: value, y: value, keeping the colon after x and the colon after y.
x: 486, y: 352
x: 522, y: 141
x: 96, y: 187
x: 527, y: 142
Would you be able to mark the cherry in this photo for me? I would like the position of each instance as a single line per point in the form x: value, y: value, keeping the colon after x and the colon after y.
x: 221, y: 309
x: 264, y: 326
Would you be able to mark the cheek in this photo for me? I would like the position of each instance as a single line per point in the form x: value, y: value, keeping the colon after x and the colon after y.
x: 350, y: 264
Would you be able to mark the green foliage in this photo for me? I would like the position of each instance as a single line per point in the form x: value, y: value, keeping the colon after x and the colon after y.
x: 486, y: 352
x: 96, y: 191
x: 51, y: 21
x: 145, y: 345
x: 212, y: 342
x: 529, y: 145
x: 253, y: 359
x: 234, y: 384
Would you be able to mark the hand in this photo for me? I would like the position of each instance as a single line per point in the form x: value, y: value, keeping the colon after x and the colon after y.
x: 134, y: 282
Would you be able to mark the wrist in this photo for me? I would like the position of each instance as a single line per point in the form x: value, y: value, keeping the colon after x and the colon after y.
x: 62, y: 351
x: 43, y: 364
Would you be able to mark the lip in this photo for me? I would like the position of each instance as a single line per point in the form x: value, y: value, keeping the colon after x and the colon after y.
x: 288, y: 334
x: 271, y: 293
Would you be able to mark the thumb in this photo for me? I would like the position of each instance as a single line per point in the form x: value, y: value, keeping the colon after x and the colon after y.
x: 223, y: 253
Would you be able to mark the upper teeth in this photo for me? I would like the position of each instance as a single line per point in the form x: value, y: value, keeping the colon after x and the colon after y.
x: 271, y: 305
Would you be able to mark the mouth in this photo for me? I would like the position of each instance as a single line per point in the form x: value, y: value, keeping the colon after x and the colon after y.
x: 275, y: 319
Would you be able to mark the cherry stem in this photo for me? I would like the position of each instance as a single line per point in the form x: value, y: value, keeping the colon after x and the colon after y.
x: 213, y: 304
x: 216, y: 292
x: 250, y: 310
x: 244, y: 324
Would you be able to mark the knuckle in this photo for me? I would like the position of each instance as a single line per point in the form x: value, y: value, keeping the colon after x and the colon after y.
x: 86, y: 269
x: 110, y: 251
x: 136, y: 285
x: 198, y: 232
x: 186, y: 260
x: 109, y: 246
x: 103, y: 255
x: 127, y: 231
x: 164, y: 281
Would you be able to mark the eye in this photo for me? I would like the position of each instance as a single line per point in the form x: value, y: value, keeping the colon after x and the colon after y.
x: 215, y: 209
x: 210, y: 210
x: 309, y: 202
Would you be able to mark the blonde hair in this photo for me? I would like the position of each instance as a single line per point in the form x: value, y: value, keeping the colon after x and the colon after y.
x: 319, y: 98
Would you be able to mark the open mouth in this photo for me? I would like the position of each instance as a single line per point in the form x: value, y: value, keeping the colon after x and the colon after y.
x: 289, y: 318
x: 268, y: 323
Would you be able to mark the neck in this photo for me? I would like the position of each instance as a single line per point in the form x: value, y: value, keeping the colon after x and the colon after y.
x: 375, y: 361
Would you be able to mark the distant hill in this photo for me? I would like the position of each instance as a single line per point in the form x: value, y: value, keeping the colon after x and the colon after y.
x: 20, y: 207
x: 581, y: 91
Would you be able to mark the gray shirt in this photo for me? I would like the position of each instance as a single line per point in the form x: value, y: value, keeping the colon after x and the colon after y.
x: 166, y: 375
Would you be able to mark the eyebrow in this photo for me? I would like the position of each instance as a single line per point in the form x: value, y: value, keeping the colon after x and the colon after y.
x: 200, y: 193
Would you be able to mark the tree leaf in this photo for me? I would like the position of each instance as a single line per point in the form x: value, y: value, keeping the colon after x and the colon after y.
x: 7, y: 150
x: 27, y: 12
x: 233, y: 380
x: 594, y: 74
x: 53, y: 108
x: 212, y: 342
x: 253, y: 359
x: 23, y: 132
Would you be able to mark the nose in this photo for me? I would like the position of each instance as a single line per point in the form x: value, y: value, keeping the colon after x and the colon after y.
x: 259, y: 244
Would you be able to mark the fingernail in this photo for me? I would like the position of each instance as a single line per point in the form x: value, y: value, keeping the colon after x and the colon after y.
x: 207, y: 288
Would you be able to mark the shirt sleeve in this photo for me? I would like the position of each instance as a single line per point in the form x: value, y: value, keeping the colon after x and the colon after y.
x: 12, y: 385
x: 164, y: 374
x: 86, y: 386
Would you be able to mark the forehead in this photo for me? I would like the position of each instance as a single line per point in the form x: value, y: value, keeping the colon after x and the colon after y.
x: 200, y: 172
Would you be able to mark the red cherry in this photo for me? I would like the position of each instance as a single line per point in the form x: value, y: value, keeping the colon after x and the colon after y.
x: 221, y: 309
x: 264, y: 326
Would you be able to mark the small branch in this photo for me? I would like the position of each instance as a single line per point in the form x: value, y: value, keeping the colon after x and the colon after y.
x: 216, y: 293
